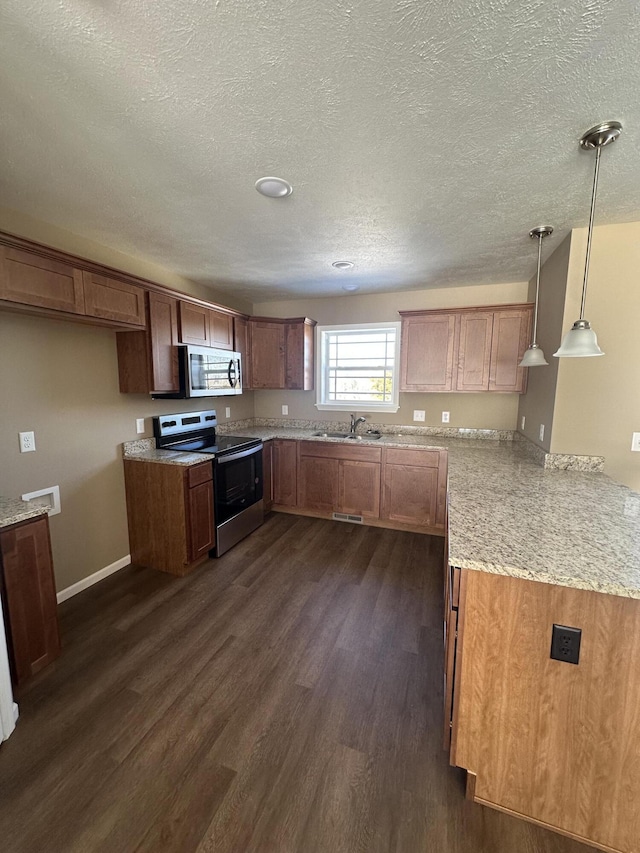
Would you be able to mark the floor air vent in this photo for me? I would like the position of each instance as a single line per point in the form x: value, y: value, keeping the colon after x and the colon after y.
x: 342, y: 516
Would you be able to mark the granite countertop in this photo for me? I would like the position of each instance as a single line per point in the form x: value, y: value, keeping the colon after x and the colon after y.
x: 13, y: 511
x: 508, y: 515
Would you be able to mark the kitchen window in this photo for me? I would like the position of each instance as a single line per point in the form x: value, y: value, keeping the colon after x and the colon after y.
x: 357, y: 367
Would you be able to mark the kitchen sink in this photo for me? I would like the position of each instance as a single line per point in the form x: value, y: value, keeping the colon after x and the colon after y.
x: 348, y: 435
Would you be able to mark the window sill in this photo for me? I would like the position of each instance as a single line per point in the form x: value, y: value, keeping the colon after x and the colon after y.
x: 357, y: 407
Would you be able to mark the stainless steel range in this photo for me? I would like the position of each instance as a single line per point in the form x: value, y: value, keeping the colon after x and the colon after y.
x: 237, y: 471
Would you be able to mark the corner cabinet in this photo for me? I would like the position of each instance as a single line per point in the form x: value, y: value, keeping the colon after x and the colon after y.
x: 170, y: 513
x: 466, y: 349
x: 29, y: 597
x: 281, y: 353
x: 545, y: 740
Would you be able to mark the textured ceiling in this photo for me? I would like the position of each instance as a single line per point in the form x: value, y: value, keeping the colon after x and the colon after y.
x: 423, y: 139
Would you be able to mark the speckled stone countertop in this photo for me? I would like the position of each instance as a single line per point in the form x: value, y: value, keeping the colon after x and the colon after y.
x: 13, y: 511
x: 509, y: 516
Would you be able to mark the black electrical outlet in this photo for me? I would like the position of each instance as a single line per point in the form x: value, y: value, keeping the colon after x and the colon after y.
x: 565, y: 643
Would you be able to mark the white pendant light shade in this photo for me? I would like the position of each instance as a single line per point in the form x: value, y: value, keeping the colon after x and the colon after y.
x: 533, y: 357
x: 579, y: 342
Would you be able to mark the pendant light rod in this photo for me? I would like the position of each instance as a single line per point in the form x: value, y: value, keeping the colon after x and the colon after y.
x: 540, y: 232
x: 590, y: 232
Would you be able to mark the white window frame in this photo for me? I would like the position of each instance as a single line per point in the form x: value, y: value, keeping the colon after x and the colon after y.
x: 321, y: 370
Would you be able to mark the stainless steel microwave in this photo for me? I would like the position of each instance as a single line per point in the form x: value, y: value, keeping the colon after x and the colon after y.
x: 209, y: 372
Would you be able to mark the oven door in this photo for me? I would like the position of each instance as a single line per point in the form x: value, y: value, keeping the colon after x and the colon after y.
x: 237, y: 479
x: 210, y: 372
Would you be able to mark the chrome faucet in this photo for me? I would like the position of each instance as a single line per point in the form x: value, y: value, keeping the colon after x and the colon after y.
x: 354, y: 423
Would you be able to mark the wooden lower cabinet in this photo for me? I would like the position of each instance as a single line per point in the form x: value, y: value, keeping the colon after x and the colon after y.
x: 267, y: 476
x: 359, y: 488
x: 285, y: 472
x: 414, y: 486
x: 318, y: 482
x: 170, y: 514
x: 546, y: 740
x: 29, y: 597
x: 339, y: 478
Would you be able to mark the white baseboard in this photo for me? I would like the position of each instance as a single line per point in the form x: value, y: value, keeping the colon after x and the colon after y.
x: 75, y: 588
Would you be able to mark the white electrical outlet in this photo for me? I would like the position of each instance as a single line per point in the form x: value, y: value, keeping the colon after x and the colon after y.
x: 227, y: 412
x: 285, y: 410
x: 445, y: 417
x: 139, y: 425
x: 27, y: 442
x: 541, y: 432
x: 418, y: 414
x: 522, y: 422
x: 635, y: 441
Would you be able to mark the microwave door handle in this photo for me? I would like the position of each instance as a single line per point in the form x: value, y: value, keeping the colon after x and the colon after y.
x: 229, y: 372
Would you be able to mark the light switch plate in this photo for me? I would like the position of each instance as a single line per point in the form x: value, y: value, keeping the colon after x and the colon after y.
x: 445, y: 417
x: 522, y: 422
x: 27, y: 442
x: 541, y: 433
x: 635, y: 441
x: 227, y: 412
x: 418, y: 414
x: 285, y: 410
x: 139, y: 425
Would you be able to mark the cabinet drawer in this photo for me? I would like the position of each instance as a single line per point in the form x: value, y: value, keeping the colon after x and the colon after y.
x: 340, y: 451
x: 421, y: 458
x: 199, y: 474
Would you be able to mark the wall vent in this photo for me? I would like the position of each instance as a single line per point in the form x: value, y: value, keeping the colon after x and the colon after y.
x: 342, y: 516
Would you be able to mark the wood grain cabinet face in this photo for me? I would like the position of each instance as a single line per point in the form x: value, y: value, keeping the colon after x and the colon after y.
x: 427, y: 352
x: 221, y: 329
x: 318, y: 483
x: 200, y: 514
x: 29, y: 597
x: 113, y: 300
x: 474, y: 351
x: 267, y: 341
x: 241, y: 345
x: 163, y: 334
x: 511, y: 331
x: 29, y: 279
x: 285, y: 472
x: 194, y: 325
x: 267, y: 478
x: 414, y: 487
x: 359, y: 488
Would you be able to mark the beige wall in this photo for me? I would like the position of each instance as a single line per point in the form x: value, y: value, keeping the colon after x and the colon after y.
x: 60, y: 379
x: 597, y: 401
x: 537, y: 405
x: 480, y: 411
x: 14, y: 222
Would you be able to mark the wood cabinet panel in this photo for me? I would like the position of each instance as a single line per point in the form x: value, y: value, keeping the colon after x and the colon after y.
x: 29, y: 597
x: 194, y: 325
x: 299, y: 355
x: 241, y: 345
x: 113, y: 300
x: 551, y: 741
x: 318, y: 483
x: 267, y: 341
x: 427, y: 352
x: 267, y: 477
x: 221, y: 325
x: 30, y: 279
x: 474, y: 351
x: 359, y: 488
x: 340, y: 451
x: 421, y: 458
x: 410, y: 494
x: 202, y: 535
x: 163, y: 335
x: 285, y: 472
x: 511, y: 331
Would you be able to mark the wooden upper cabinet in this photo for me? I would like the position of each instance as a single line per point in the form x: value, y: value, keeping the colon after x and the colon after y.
x: 427, y: 351
x: 300, y: 354
x: 469, y: 349
x: 29, y: 279
x: 267, y: 341
x: 113, y: 300
x: 29, y: 597
x: 221, y: 325
x: 194, y: 326
x: 511, y: 330
x: 163, y: 338
x: 241, y: 345
x: 474, y: 351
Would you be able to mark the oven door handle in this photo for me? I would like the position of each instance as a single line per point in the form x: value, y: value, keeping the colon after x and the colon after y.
x: 231, y: 457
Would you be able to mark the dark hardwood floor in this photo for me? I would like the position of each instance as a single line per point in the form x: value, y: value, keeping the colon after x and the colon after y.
x: 287, y: 697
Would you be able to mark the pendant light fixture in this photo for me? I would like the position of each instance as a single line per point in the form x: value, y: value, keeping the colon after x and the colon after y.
x: 534, y: 357
x: 580, y: 341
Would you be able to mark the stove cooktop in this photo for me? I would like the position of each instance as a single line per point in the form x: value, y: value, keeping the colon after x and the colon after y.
x: 216, y: 444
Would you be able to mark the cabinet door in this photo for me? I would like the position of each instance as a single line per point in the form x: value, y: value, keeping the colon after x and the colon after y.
x: 511, y: 331
x: 221, y: 330
x: 200, y: 519
x: 267, y: 354
x: 318, y: 483
x: 410, y: 486
x: 359, y: 488
x: 241, y: 345
x: 299, y: 359
x: 285, y: 472
x: 195, y: 324
x: 474, y: 351
x: 29, y: 596
x: 267, y: 479
x: 42, y: 282
x: 163, y: 332
x: 113, y: 300
x: 427, y: 352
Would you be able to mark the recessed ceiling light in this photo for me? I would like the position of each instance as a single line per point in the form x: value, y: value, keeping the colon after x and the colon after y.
x: 342, y: 265
x: 351, y: 287
x: 274, y: 187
